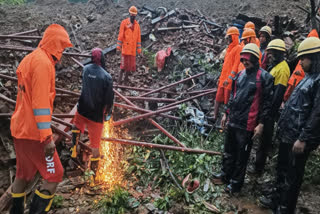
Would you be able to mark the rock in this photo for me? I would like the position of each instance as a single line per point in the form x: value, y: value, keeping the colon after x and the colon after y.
x: 186, y: 62
x: 142, y: 210
x: 4, y: 108
x: 150, y: 206
x: 8, y: 84
x: 71, y: 209
x: 2, y: 191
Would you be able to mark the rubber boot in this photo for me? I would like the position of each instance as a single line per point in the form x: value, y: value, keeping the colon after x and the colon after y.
x: 94, y: 164
x: 75, y: 140
x: 41, y: 203
x: 18, y: 203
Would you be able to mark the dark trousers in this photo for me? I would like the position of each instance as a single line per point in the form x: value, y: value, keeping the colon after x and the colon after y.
x: 290, y: 172
x: 265, y: 145
x: 237, y: 147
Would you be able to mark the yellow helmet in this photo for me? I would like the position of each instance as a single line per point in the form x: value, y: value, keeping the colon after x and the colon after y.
x: 277, y: 44
x: 266, y: 29
x: 252, y: 49
x: 308, y: 46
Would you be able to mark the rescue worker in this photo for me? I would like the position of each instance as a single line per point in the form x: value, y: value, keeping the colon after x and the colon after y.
x: 129, y: 42
x: 247, y: 110
x: 94, y: 105
x: 31, y: 120
x: 251, y: 25
x: 298, y: 73
x: 248, y: 36
x: 298, y: 131
x: 280, y: 71
x: 229, y: 69
x: 264, y: 37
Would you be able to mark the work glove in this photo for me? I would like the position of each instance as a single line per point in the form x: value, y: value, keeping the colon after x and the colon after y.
x: 108, y: 115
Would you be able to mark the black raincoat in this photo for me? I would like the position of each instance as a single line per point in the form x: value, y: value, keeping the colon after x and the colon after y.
x: 250, y: 100
x: 96, y: 97
x: 300, y: 118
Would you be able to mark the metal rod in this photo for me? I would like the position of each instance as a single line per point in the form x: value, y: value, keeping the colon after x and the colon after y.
x: 143, y: 110
x: 146, y: 115
x: 190, y: 98
x: 28, y: 49
x: 140, y: 89
x: 67, y: 92
x: 172, y: 84
x: 55, y: 115
x: 8, y: 77
x: 199, y: 91
x: 63, y: 95
x: 152, y: 121
x: 7, y: 99
x: 159, y: 146
x: 77, y: 62
x: 19, y: 37
x: 24, y: 32
x: 158, y: 100
x: 57, y: 89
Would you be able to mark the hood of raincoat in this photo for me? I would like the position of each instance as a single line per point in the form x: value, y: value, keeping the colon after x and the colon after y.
x: 235, y: 41
x: 55, y: 39
x: 98, y: 57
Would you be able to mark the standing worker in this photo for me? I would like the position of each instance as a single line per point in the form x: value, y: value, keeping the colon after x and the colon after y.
x: 229, y: 69
x: 31, y: 121
x: 94, y: 105
x: 298, y: 73
x: 298, y: 131
x: 129, y: 42
x: 248, y: 36
x: 251, y: 25
x: 264, y: 37
x: 280, y: 71
x: 247, y: 110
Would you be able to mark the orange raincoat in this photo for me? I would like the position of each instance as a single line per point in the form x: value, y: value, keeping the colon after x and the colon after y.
x: 296, y: 78
x: 231, y: 63
x: 36, y: 86
x: 129, y: 38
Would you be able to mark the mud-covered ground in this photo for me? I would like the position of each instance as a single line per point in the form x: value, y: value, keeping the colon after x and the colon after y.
x: 95, y: 24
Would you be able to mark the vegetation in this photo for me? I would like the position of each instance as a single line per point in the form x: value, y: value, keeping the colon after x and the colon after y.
x: 118, y: 201
x: 57, y: 201
x: 12, y: 2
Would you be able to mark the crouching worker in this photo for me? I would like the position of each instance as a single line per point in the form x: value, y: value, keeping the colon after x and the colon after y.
x: 94, y: 105
x: 31, y: 120
x: 247, y: 109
